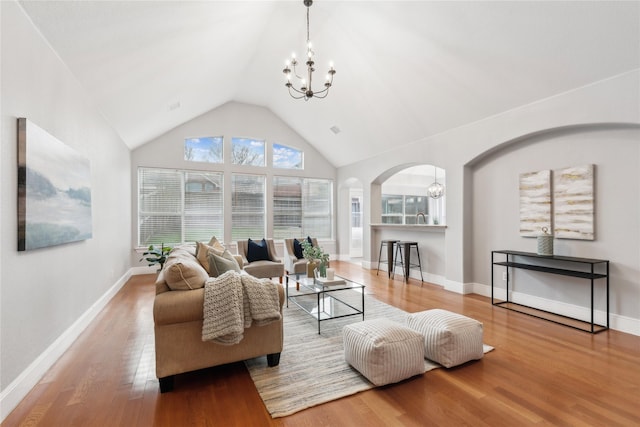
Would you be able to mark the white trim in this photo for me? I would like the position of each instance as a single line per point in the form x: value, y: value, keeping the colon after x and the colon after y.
x: 13, y: 394
x: 617, y: 322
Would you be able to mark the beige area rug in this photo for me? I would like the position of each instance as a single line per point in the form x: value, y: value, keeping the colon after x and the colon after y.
x: 312, y: 368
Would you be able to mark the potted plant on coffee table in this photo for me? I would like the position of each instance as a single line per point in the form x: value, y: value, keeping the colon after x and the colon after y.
x: 316, y: 258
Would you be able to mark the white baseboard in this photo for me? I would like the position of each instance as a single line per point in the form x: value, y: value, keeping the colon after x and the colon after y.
x: 617, y: 322
x: 11, y: 396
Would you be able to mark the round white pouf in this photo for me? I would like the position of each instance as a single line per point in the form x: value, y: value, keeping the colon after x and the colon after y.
x: 450, y: 339
x: 384, y: 351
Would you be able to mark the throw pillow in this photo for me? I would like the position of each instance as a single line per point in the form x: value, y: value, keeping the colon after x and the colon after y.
x: 257, y: 251
x: 220, y: 264
x: 183, y: 272
x: 216, y: 244
x: 202, y: 253
x: 297, y: 249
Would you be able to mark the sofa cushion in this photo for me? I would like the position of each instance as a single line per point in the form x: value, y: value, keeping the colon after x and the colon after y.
x: 221, y: 263
x: 265, y: 269
x: 257, y: 251
x: 182, y: 271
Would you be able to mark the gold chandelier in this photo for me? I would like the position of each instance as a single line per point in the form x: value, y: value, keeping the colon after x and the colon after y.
x: 306, y: 92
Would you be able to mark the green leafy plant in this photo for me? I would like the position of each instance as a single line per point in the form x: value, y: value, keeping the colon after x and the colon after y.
x: 154, y: 255
x: 313, y: 253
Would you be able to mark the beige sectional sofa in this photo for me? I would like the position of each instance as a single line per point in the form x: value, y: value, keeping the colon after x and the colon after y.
x: 178, y: 319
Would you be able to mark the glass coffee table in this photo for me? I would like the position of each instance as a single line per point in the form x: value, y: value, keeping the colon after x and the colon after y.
x: 326, y: 301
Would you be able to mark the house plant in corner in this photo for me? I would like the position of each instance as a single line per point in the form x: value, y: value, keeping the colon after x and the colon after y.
x: 315, y: 257
x: 154, y: 255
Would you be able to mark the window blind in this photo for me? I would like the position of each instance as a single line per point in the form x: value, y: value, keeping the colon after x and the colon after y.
x: 317, y: 197
x: 287, y: 207
x: 248, y: 207
x: 177, y: 206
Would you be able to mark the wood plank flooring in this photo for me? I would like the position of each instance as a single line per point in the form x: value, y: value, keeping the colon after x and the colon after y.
x: 540, y: 373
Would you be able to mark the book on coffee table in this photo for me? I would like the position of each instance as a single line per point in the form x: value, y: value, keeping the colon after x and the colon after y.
x: 326, y: 282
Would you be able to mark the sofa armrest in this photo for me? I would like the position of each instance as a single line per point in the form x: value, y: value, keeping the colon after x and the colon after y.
x: 178, y: 307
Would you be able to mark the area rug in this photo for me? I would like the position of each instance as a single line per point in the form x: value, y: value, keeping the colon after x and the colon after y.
x: 312, y: 368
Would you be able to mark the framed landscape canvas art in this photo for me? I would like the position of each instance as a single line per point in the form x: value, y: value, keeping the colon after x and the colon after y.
x: 573, y: 203
x: 54, y: 190
x: 535, y: 203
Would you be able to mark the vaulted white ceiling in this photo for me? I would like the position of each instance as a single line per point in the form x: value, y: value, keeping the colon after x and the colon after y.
x: 406, y: 70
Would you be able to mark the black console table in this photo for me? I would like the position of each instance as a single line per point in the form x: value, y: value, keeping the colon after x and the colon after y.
x: 592, y: 270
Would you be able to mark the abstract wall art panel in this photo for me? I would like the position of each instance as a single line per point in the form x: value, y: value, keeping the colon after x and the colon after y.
x: 573, y: 203
x: 535, y: 203
x: 54, y: 191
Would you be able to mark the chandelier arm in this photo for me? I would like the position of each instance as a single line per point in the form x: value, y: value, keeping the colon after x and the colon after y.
x: 295, y: 72
x: 318, y: 94
x: 294, y: 96
x: 295, y: 90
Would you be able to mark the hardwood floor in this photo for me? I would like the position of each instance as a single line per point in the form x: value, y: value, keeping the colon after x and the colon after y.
x: 540, y: 373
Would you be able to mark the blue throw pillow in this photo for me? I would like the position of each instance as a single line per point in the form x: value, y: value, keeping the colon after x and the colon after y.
x: 257, y: 251
x: 297, y: 249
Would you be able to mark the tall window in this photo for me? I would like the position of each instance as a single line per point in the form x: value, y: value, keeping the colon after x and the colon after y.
x: 247, y: 151
x: 302, y: 207
x: 286, y: 157
x: 176, y: 206
x: 287, y: 207
x: 205, y: 149
x: 317, y: 197
x: 248, y: 207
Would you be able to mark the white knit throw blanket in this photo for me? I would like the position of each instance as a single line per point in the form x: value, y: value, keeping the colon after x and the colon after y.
x: 233, y: 301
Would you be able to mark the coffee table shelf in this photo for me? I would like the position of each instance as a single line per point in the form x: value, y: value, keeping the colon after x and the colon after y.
x: 326, y: 302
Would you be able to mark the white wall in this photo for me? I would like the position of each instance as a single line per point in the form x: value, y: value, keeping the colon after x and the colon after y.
x: 612, y: 101
x: 229, y: 120
x: 615, y: 152
x: 45, y: 292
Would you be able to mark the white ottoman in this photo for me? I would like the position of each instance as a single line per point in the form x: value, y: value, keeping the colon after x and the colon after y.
x: 450, y: 339
x: 384, y: 351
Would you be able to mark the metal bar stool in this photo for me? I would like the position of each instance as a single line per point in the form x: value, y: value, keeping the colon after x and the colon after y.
x: 406, y: 246
x: 389, y: 245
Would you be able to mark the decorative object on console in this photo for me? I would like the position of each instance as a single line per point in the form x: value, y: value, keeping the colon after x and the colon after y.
x: 545, y: 243
x: 573, y: 202
x: 54, y: 190
x: 535, y: 202
x: 306, y: 92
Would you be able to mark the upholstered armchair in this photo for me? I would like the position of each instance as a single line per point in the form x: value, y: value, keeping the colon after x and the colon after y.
x: 295, y: 263
x: 259, y: 258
